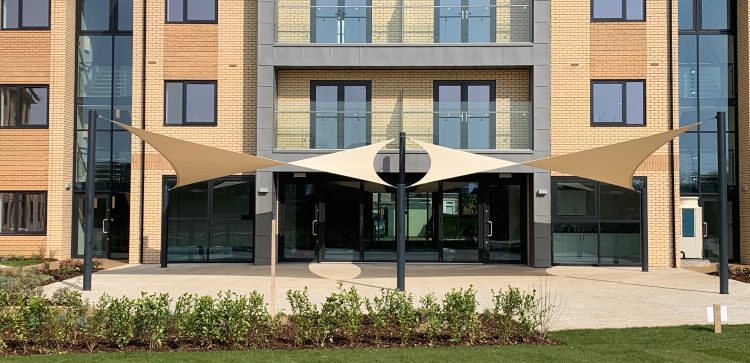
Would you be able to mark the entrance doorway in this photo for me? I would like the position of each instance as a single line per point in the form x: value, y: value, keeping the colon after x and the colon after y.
x: 480, y: 219
x: 710, y: 208
x: 111, y: 225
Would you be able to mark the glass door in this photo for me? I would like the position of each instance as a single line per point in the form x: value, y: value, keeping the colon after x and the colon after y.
x: 711, y: 229
x: 300, y: 226
x: 119, y: 226
x: 460, y: 213
x: 340, y: 221
x: 340, y: 117
x: 465, y: 21
x: 465, y: 114
x: 504, y: 225
x: 101, y: 225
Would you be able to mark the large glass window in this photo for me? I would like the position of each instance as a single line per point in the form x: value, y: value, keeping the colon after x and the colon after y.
x: 25, y: 14
x: 24, y: 106
x: 465, y: 21
x: 464, y: 114
x: 340, y: 114
x: 616, y: 103
x: 190, y: 103
x: 622, y: 10
x: 23, y: 212
x: 596, y: 223
x: 211, y: 221
x: 191, y: 11
x: 341, y: 21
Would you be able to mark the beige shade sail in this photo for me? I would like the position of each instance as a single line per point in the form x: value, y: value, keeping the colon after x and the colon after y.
x: 613, y: 164
x: 355, y: 163
x: 446, y: 163
x: 195, y: 163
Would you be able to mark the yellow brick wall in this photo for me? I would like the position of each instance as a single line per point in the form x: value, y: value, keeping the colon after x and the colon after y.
x: 401, y: 21
x: 224, y: 52
x: 743, y: 119
x: 415, y: 89
x: 583, y: 50
x: 41, y: 159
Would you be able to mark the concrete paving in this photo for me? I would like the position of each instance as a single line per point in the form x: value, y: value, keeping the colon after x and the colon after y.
x: 592, y: 297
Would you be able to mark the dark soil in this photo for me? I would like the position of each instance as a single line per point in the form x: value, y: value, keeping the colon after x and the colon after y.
x: 739, y: 273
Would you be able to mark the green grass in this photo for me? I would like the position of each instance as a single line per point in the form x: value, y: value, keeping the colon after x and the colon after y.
x: 21, y: 262
x: 679, y: 344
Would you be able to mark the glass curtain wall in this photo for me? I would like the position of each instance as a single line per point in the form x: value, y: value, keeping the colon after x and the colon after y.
x: 104, y: 84
x: 596, y: 223
x: 707, y: 85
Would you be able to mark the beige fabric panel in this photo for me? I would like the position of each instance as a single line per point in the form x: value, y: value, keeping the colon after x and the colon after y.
x: 614, y: 164
x: 194, y: 163
x: 355, y: 163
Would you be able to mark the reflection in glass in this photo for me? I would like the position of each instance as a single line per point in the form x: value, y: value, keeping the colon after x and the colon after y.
x: 190, y: 201
x: 10, y: 14
x: 620, y: 243
x: 714, y: 14
x: 709, y: 163
x: 380, y: 228
x: 479, y: 24
x: 231, y: 240
x: 619, y: 204
x: 688, y: 78
x: 574, y: 198
x: 95, y: 15
x: 8, y: 205
x: 200, y: 103
x: 449, y: 23
x: 575, y: 243
x: 201, y: 10
x: 341, y: 221
x: 35, y: 13
x: 187, y: 240
x: 607, y: 102
x: 460, y: 219
x: 100, y: 214
x: 299, y: 212
x: 505, y: 235
x: 420, y: 244
x: 232, y: 197
x: 173, y: 107
x: 607, y: 9
x: 686, y: 14
x: 125, y: 15
x: 340, y: 21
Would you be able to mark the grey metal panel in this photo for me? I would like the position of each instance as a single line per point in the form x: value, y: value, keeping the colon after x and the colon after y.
x: 542, y: 140
x: 264, y: 205
x: 541, y: 75
x: 265, y: 55
x: 542, y: 54
x: 344, y: 55
x: 316, y: 56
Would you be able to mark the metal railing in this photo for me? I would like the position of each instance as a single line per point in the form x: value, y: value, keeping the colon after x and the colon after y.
x: 404, y: 22
x: 509, y: 128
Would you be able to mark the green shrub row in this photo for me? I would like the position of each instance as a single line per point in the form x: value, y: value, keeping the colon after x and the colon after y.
x: 31, y: 323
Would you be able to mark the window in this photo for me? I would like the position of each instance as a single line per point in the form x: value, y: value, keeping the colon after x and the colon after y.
x: 341, y: 21
x: 23, y: 106
x: 340, y: 114
x: 595, y: 223
x: 25, y: 14
x: 464, y: 114
x: 618, y: 10
x: 615, y: 103
x: 191, y: 11
x: 23, y: 212
x: 190, y: 103
x: 211, y: 221
x: 465, y: 21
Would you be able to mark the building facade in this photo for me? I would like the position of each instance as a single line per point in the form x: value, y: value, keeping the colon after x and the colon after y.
x: 513, y: 79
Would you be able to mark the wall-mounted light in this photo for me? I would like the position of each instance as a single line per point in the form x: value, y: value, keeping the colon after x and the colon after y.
x: 262, y: 190
x: 541, y: 192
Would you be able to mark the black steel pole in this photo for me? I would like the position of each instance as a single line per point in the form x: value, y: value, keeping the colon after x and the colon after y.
x: 644, y: 229
x: 723, y: 217
x: 88, y: 245
x: 164, y: 208
x: 401, y: 214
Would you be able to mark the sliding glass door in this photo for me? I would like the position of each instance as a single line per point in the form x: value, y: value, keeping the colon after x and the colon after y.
x: 464, y: 114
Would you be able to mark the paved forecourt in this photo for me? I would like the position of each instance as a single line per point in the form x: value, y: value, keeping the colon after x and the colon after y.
x: 593, y: 297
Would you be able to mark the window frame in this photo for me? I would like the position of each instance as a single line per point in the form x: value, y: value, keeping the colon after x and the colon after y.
x: 20, y: 17
x: 18, y: 87
x: 184, y: 103
x: 623, y: 83
x: 17, y: 196
x: 464, y: 84
x: 185, y: 12
x: 339, y: 111
x: 341, y: 4
x: 623, y: 18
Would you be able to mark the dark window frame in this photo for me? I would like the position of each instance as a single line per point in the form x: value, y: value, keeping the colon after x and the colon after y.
x: 594, y: 218
x: 339, y: 110
x: 465, y: 24
x: 185, y: 19
x: 623, y: 83
x: 184, y: 103
x: 698, y: 16
x: 464, y: 99
x: 17, y: 196
x: 18, y: 88
x: 20, y: 17
x: 624, y: 14
x: 341, y: 5
x: 210, y: 216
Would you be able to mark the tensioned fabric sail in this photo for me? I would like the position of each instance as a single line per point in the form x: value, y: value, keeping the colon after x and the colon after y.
x: 613, y: 164
x: 194, y: 162
x: 354, y: 163
x: 446, y: 163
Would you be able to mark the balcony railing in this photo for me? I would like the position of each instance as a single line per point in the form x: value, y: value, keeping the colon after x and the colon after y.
x: 507, y: 129
x: 406, y: 22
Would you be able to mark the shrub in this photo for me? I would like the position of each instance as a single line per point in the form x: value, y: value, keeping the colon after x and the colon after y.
x: 115, y: 321
x: 392, y: 310
x: 241, y: 318
x: 342, y: 313
x: 460, y: 315
x: 29, y: 321
x: 506, y: 306
x: 197, y: 319
x: 431, y: 315
x: 67, y: 327
x: 152, y: 319
x: 305, y: 318
x: 533, y: 312
x: 22, y: 286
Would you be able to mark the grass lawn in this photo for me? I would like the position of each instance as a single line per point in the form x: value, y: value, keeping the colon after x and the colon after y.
x: 21, y: 263
x: 679, y: 344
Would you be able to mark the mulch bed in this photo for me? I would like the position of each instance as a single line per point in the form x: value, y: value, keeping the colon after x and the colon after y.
x: 739, y: 273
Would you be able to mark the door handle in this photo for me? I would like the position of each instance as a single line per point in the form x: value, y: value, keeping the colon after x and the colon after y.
x: 314, y: 224
x: 105, y: 223
x: 491, y: 229
x: 705, y: 229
